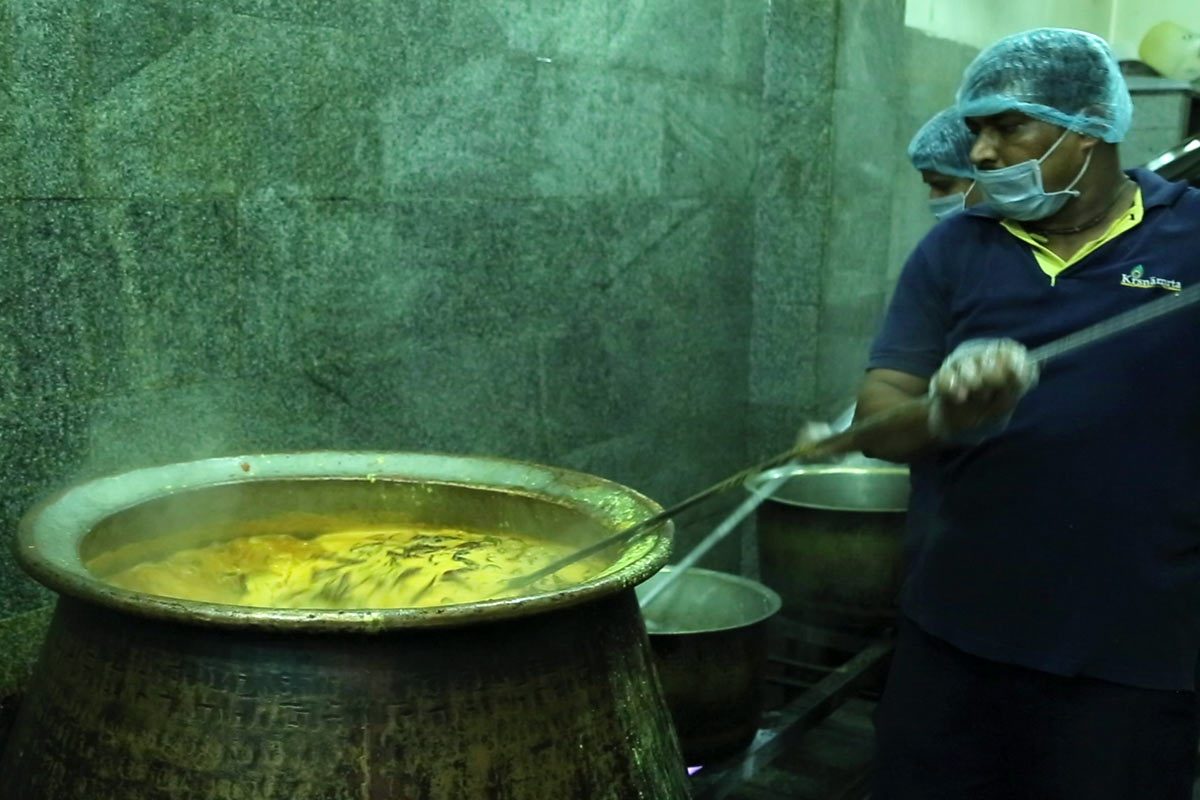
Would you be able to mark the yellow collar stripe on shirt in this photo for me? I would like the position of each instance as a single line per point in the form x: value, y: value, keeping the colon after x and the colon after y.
x: 1051, y: 263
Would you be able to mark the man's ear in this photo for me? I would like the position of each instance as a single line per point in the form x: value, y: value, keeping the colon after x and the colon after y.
x: 1087, y: 143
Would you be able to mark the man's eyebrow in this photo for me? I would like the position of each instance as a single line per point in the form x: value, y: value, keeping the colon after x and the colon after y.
x: 1002, y: 118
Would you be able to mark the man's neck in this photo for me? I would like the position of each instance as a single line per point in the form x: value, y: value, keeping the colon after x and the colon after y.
x: 1098, y: 204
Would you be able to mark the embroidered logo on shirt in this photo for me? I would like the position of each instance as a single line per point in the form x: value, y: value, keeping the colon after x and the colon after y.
x: 1137, y: 279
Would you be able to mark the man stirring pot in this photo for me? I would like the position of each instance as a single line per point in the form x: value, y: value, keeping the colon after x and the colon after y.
x: 1050, y: 620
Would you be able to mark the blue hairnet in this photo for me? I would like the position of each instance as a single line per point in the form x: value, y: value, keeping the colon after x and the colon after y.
x: 1064, y: 77
x: 943, y: 145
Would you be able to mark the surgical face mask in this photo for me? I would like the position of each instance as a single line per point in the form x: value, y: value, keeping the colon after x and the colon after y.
x: 1017, y: 192
x: 949, y: 205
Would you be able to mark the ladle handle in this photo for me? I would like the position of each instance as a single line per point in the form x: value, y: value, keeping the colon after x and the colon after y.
x: 718, y: 535
x: 838, y: 444
x: 847, y: 441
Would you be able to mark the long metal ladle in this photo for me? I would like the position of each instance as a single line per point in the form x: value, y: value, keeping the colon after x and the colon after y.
x: 838, y: 444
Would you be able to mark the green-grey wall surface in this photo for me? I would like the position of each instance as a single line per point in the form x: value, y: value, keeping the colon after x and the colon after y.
x: 793, y: 207
x: 890, y: 81
x: 929, y: 90
x: 498, y: 227
x: 867, y: 106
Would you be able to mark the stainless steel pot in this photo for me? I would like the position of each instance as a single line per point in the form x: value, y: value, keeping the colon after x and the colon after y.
x: 149, y: 698
x: 709, y: 634
x: 831, y: 543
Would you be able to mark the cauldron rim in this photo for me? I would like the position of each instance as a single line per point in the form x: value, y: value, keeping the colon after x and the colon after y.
x: 772, y: 602
x: 49, y: 534
x: 784, y: 495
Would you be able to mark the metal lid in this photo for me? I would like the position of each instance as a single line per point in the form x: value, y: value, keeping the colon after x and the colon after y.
x: 834, y: 487
x: 707, y: 601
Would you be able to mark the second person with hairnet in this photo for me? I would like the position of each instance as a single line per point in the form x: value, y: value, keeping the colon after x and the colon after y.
x: 941, y: 152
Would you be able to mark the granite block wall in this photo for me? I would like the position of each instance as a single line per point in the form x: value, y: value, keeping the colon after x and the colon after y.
x: 933, y: 68
x: 868, y: 114
x: 792, y: 211
x: 576, y: 232
x: 890, y: 80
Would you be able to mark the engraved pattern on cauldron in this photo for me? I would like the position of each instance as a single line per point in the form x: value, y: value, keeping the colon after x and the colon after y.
x: 253, y: 716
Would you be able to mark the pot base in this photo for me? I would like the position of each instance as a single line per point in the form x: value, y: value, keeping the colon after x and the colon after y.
x: 560, y: 705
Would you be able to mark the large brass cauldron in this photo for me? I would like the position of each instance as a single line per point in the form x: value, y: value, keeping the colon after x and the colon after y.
x: 137, y: 697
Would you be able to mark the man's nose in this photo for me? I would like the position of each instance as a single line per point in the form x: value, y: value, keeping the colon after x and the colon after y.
x: 983, y: 151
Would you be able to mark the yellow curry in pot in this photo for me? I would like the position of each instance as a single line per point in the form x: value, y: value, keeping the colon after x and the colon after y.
x: 355, y: 569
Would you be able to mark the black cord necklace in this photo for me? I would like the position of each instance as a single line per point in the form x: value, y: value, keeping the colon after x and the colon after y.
x: 1089, y: 224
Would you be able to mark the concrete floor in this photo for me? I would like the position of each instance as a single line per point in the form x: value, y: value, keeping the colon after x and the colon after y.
x: 831, y: 762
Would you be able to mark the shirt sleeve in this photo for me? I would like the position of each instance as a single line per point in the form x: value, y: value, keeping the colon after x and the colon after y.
x: 913, y: 336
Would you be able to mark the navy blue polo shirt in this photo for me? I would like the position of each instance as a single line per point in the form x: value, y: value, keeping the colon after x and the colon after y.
x: 1070, y: 542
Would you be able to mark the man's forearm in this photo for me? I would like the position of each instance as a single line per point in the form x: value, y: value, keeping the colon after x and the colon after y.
x: 907, y: 434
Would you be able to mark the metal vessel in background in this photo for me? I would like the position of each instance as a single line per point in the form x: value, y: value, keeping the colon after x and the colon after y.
x: 1181, y: 162
x: 709, y: 636
x: 830, y: 542
x: 148, y: 698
